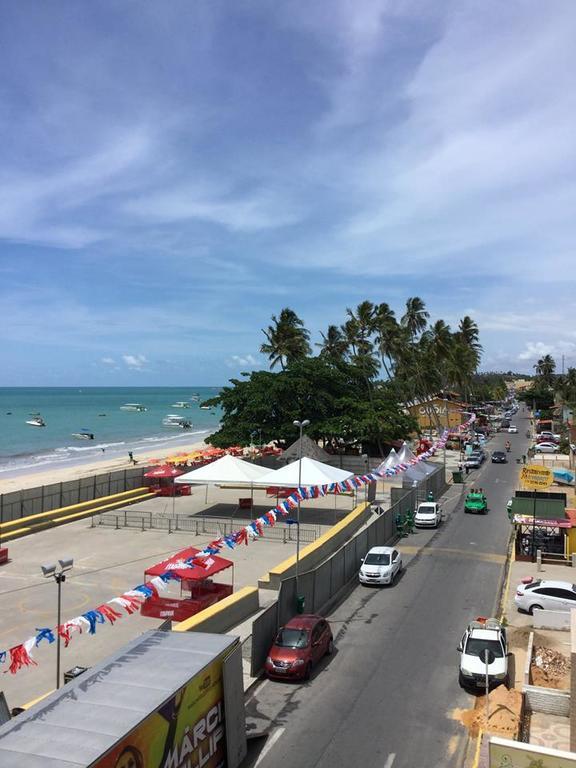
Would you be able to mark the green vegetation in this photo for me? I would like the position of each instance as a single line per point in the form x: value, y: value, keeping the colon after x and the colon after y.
x: 355, y: 389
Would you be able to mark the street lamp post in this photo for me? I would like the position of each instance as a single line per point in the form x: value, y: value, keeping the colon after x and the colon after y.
x: 301, y: 425
x: 59, y: 576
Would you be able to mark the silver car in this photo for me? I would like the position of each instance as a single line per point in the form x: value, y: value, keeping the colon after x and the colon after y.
x: 546, y: 448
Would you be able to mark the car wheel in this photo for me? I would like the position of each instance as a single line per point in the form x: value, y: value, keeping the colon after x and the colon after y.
x: 308, y: 671
x: 330, y: 649
x: 533, y: 608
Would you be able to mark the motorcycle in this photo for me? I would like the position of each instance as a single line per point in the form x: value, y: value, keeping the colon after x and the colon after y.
x: 527, y: 433
x: 508, y: 446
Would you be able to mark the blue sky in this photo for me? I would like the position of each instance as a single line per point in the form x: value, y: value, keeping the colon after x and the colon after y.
x: 174, y: 173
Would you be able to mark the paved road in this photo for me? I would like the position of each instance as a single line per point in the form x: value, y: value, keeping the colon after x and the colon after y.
x: 385, y: 699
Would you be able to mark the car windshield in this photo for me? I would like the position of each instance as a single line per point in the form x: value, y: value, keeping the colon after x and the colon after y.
x: 426, y: 509
x: 292, y: 638
x: 377, y: 558
x: 476, y: 645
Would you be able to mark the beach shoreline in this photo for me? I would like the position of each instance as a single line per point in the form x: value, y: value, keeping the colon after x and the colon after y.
x: 35, y: 478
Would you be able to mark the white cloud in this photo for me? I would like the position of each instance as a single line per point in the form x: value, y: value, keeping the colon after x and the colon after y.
x: 108, y: 360
x: 536, y: 349
x: 136, y: 362
x: 237, y: 361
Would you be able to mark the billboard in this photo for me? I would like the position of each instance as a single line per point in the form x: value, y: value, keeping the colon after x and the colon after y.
x: 513, y: 754
x: 536, y: 476
x: 187, y: 731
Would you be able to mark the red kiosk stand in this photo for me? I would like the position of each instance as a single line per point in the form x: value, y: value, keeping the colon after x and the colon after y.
x: 197, y: 590
x: 161, y: 481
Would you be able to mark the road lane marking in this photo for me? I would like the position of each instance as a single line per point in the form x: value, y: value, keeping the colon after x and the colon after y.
x: 391, y: 758
x: 487, y: 557
x: 269, y: 744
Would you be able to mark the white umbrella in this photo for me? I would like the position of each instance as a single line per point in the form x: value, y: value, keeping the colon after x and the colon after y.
x: 312, y: 473
x: 228, y: 469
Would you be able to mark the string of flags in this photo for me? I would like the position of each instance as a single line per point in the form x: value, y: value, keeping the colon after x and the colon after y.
x: 129, y: 602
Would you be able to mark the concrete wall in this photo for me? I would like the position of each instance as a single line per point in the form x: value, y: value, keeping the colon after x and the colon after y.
x: 573, y: 678
x: 225, y: 614
x: 547, y: 700
x: 551, y: 620
x: 528, y: 662
x: 320, y: 550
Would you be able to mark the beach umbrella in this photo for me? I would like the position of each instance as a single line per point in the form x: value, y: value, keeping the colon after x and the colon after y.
x: 164, y: 471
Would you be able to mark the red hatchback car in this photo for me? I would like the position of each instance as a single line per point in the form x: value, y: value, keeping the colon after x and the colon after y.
x: 299, y: 646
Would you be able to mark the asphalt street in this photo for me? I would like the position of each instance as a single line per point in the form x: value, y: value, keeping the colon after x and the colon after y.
x: 387, y: 696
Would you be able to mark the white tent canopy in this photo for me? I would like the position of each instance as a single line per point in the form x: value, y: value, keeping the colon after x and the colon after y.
x: 405, y: 454
x: 313, y: 473
x: 228, y: 469
x: 390, y: 461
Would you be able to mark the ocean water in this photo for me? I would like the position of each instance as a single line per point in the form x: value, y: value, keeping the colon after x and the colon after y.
x: 65, y: 410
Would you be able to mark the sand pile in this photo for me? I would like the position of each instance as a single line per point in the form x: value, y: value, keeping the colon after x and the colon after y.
x: 550, y: 668
x: 504, y: 713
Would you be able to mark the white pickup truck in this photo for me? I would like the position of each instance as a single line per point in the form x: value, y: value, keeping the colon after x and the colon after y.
x: 480, y: 636
x: 428, y: 515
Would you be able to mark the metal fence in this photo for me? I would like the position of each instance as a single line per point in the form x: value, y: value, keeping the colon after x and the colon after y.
x: 216, y: 526
x: 44, y: 498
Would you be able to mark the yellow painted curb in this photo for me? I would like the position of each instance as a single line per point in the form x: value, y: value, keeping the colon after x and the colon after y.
x: 199, y: 618
x: 477, y: 750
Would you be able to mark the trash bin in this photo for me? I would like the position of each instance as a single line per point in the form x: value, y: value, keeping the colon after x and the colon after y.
x: 74, y: 672
x: 300, y: 603
x: 523, y: 458
x: 457, y: 476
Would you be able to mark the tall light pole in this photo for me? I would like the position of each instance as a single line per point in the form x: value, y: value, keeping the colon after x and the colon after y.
x: 59, y: 576
x: 300, y: 425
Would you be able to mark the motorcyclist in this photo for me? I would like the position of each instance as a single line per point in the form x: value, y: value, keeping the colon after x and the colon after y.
x: 508, y: 445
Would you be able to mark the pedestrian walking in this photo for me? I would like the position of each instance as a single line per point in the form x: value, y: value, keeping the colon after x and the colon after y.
x: 131, y: 457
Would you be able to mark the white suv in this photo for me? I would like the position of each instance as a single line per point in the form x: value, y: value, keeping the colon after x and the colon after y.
x: 428, y: 515
x: 481, y: 635
x: 547, y: 595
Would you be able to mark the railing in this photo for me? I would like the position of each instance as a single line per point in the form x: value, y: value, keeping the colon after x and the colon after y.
x: 213, y: 526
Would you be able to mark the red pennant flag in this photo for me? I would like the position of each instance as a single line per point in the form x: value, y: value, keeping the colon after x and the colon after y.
x: 109, y: 613
x: 19, y: 657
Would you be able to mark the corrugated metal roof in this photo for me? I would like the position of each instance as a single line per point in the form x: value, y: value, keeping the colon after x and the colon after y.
x: 74, y: 726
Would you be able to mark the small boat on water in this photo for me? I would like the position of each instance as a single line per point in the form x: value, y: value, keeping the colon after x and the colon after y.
x: 174, y: 420
x: 133, y: 407
x: 204, y: 407
x: 36, y: 420
x: 84, y: 434
x: 195, y: 398
x: 180, y: 404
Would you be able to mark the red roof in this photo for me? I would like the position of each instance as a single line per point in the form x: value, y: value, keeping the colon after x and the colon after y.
x: 197, y: 573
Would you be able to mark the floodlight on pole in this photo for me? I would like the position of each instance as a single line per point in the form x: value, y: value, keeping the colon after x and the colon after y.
x: 51, y: 571
x: 301, y: 425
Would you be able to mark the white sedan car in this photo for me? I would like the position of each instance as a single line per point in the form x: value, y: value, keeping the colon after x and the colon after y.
x: 380, y: 566
x: 512, y: 429
x: 546, y: 448
x: 547, y: 595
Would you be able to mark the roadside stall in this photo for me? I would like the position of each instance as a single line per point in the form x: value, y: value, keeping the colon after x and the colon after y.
x: 161, y: 481
x: 197, y: 589
x: 536, y: 533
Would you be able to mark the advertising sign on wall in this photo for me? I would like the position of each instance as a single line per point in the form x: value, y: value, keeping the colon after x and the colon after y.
x: 185, y: 732
x: 513, y: 754
x: 536, y: 476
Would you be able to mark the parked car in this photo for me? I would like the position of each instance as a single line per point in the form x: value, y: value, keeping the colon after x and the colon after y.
x: 548, y: 437
x: 380, y: 566
x: 474, y: 460
x: 549, y: 595
x: 299, y: 645
x: 428, y: 515
x: 480, y: 635
x: 546, y: 448
x: 499, y: 457
x: 512, y: 429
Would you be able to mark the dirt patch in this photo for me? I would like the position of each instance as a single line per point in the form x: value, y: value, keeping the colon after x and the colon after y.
x: 550, y: 668
x: 504, y: 708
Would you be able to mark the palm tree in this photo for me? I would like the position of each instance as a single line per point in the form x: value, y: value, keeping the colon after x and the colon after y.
x: 334, y: 345
x: 416, y: 316
x: 287, y: 339
x: 545, y: 368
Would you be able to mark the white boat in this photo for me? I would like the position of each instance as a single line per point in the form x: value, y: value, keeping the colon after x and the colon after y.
x: 84, y: 434
x: 133, y: 407
x: 204, y: 407
x: 174, y: 420
x: 180, y: 404
x: 36, y: 421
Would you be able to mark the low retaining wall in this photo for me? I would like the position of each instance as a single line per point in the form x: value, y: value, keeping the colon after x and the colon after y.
x: 320, y: 550
x: 551, y: 620
x: 546, y: 700
x: 224, y: 615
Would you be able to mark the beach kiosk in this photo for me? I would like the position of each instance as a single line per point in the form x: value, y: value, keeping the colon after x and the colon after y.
x: 160, y: 480
x: 198, y: 590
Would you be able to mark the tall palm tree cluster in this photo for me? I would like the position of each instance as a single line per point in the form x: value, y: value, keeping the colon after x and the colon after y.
x: 545, y: 369
x: 417, y: 358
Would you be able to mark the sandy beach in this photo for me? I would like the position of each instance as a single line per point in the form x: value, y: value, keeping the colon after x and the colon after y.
x: 18, y: 482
